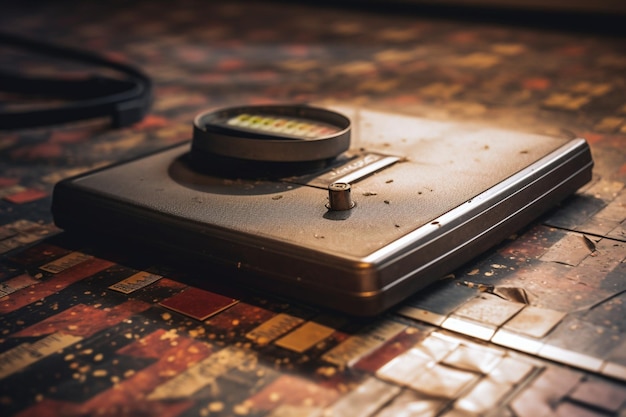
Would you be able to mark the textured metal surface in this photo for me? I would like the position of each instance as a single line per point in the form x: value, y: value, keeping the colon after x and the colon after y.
x: 412, y: 221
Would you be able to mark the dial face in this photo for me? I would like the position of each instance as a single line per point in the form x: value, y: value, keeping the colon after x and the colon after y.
x: 291, y: 126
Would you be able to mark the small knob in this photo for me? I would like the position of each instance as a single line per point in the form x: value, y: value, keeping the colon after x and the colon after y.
x: 339, y: 197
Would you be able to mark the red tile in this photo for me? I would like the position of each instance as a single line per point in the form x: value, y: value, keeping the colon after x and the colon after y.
x: 26, y: 196
x: 197, y: 303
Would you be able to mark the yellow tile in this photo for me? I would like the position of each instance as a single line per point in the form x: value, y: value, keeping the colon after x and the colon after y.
x: 305, y: 337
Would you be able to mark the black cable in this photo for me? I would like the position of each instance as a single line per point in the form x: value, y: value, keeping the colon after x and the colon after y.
x: 126, y: 101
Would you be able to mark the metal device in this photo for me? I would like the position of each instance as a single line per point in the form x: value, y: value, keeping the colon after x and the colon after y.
x: 406, y: 203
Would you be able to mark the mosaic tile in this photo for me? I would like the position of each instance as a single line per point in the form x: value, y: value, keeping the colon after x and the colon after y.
x: 469, y: 328
x: 488, y: 309
x: 390, y: 349
x: 403, y: 368
x: 305, y: 337
x: 510, y: 371
x: 546, y: 390
x: 68, y: 261
x: 483, y: 397
x: 534, y: 321
x: 574, y: 342
x: 570, y: 250
x: 364, y: 400
x: 135, y: 282
x: 517, y: 341
x: 437, y: 345
x: 274, y: 328
x: 411, y: 403
x: 600, y: 393
x: 572, y: 409
x: 197, y: 303
x: 442, y: 298
x: 421, y: 315
x: 202, y: 374
x: 613, y: 370
x: 358, y: 345
x: 284, y: 410
x: 442, y: 381
x: 474, y: 358
x: 132, y: 356
x: 26, y: 354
